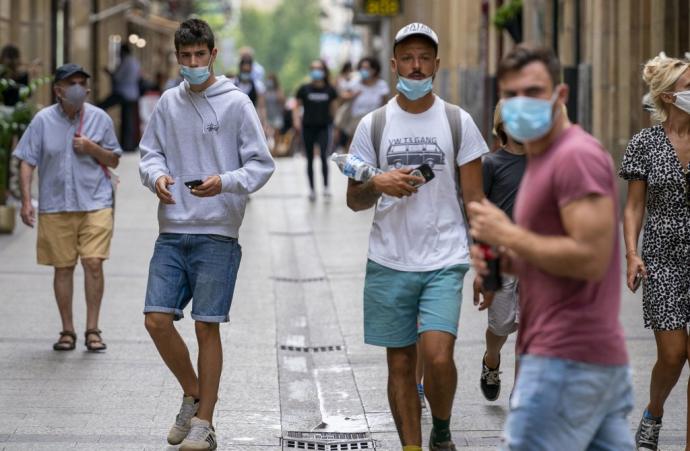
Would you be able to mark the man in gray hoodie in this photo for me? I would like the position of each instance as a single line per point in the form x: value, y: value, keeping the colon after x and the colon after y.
x: 202, y: 153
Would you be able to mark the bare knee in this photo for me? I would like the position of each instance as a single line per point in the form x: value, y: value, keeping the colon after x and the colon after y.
x: 65, y: 272
x: 206, y: 331
x: 673, y: 356
x: 438, y: 360
x: 402, y: 361
x: 158, y: 324
x: 92, y: 266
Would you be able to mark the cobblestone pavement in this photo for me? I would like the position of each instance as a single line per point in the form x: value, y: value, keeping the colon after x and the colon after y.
x: 294, y: 353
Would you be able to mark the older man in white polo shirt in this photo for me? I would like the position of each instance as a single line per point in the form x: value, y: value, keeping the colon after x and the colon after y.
x: 72, y: 143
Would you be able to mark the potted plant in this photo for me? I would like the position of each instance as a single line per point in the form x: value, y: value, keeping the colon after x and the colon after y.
x: 13, y: 122
x: 509, y: 17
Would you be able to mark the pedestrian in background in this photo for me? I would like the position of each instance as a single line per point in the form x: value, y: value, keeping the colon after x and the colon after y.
x: 574, y: 388
x: 418, y: 249
x: 275, y: 109
x: 125, y: 93
x: 254, y: 89
x: 502, y: 172
x: 10, y: 69
x: 656, y: 166
x: 317, y: 100
x: 366, y: 95
x: 72, y: 143
x: 203, y: 152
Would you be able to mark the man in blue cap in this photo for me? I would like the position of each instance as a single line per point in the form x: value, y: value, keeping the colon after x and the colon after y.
x: 73, y: 144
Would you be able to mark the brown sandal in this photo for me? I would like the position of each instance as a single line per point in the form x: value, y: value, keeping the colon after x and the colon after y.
x: 94, y: 345
x: 64, y: 345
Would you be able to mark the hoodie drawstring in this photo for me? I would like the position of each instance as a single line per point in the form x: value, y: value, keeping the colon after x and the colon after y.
x: 211, y: 127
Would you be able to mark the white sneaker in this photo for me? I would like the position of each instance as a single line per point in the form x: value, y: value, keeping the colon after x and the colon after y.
x: 312, y: 196
x: 183, y: 420
x: 201, y: 436
x: 326, y: 192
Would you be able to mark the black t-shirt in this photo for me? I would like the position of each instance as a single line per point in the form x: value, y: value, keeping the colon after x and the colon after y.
x: 316, y: 101
x: 502, y: 172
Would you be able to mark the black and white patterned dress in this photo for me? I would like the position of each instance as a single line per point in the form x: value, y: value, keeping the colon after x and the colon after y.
x: 650, y: 156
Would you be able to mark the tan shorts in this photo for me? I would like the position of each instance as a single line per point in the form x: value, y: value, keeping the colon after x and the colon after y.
x: 63, y: 237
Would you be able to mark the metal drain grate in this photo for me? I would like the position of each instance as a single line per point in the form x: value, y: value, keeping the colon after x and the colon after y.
x: 311, y: 348
x: 298, y: 279
x: 327, y: 441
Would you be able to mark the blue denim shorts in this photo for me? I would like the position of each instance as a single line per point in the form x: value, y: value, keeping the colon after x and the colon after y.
x: 399, y: 305
x: 199, y: 267
x: 561, y: 404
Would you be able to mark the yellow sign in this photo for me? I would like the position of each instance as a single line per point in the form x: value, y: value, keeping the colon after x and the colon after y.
x: 382, y: 7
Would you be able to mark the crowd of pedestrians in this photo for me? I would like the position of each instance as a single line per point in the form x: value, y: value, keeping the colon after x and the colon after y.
x: 543, y: 208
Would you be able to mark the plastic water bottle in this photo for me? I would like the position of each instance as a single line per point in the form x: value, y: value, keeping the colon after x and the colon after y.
x: 354, y: 167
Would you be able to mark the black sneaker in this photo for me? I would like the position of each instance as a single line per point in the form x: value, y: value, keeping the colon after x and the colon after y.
x: 440, y: 446
x: 490, y: 381
x: 647, y: 435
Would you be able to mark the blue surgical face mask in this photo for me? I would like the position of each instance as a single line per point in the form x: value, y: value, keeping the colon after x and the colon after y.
x: 195, y: 75
x: 414, y: 89
x: 317, y: 74
x: 365, y: 74
x: 526, y: 119
x: 245, y: 76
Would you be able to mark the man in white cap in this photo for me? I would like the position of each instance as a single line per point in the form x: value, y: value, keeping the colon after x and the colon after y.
x: 418, y: 248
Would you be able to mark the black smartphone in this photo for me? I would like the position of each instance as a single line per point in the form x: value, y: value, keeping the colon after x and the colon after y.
x: 637, y: 281
x: 426, y: 171
x: 193, y: 183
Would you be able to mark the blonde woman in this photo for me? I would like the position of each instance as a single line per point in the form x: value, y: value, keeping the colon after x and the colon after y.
x: 656, y: 168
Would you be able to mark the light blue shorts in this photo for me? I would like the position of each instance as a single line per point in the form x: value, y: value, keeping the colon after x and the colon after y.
x: 564, y: 405
x: 399, y: 305
x: 199, y: 267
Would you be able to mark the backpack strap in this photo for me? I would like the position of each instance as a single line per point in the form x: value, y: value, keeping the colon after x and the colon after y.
x: 454, y: 116
x: 378, y: 123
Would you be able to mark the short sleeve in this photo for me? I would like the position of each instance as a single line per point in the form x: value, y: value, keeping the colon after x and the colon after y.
x: 582, y: 171
x: 634, y: 164
x: 472, y: 145
x: 301, y: 93
x: 362, y: 146
x: 109, y: 141
x: 30, y: 145
x: 260, y: 87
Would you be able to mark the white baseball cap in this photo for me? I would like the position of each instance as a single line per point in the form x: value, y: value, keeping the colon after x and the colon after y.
x: 415, y: 29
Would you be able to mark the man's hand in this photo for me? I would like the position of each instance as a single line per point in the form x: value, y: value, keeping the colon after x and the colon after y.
x: 487, y: 298
x: 28, y: 214
x: 82, y: 145
x: 162, y: 192
x: 489, y: 224
x: 397, y: 183
x: 211, y: 187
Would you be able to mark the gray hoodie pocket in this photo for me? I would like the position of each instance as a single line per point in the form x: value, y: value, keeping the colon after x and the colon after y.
x: 195, y: 209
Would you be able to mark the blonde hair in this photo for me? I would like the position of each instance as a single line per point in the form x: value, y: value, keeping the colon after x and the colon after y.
x: 661, y: 73
x: 498, y: 125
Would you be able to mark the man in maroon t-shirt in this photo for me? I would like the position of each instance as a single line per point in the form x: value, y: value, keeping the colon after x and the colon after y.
x: 574, y: 386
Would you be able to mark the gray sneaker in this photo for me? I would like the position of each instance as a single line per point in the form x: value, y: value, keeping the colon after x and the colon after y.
x: 183, y: 420
x: 647, y: 435
x: 202, y: 436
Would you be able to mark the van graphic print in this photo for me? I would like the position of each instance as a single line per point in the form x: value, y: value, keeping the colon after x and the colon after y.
x: 414, y: 151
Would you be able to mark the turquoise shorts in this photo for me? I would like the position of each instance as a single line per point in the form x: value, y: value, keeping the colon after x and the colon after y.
x: 399, y: 305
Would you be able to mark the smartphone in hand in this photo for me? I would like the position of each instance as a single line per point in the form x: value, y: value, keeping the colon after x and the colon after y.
x: 423, y: 171
x: 637, y: 282
x: 193, y: 183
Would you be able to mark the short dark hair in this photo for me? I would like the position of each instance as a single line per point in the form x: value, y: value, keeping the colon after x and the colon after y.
x: 373, y: 62
x: 192, y: 32
x: 523, y: 54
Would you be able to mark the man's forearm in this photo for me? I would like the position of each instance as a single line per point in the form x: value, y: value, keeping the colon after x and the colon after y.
x: 361, y: 196
x: 557, y: 255
x: 104, y: 157
x: 26, y: 172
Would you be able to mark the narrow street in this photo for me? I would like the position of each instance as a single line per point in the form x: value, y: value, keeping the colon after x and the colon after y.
x: 295, y: 360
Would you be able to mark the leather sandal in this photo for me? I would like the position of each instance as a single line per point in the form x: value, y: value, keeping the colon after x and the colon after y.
x: 94, y: 345
x: 64, y: 345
